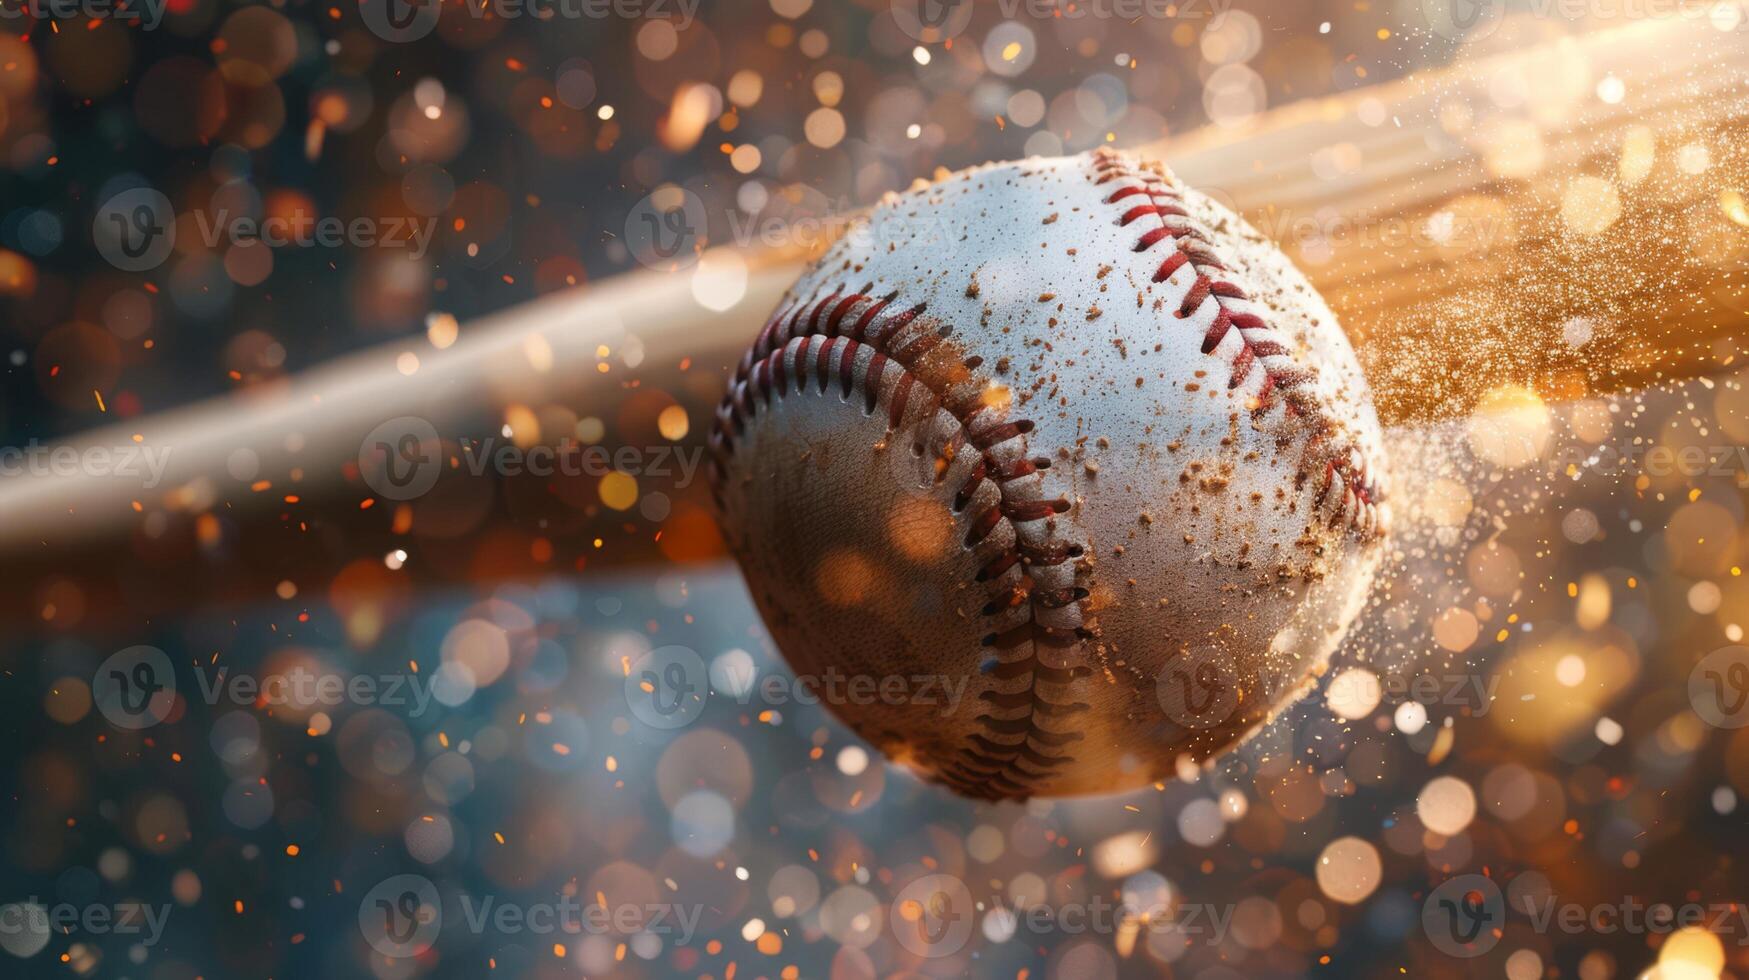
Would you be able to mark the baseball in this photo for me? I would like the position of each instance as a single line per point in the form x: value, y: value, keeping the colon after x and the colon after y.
x: 1072, y: 439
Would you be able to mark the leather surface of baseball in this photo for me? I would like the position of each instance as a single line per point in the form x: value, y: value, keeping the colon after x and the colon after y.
x: 1069, y: 434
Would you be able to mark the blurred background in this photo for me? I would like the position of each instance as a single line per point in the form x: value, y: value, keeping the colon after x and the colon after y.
x: 306, y: 711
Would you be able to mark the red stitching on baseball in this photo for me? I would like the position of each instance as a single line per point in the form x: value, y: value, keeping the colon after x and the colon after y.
x: 1358, y: 506
x: 763, y: 372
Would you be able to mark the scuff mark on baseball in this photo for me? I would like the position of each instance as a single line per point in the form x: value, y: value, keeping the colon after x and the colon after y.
x: 1071, y: 438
